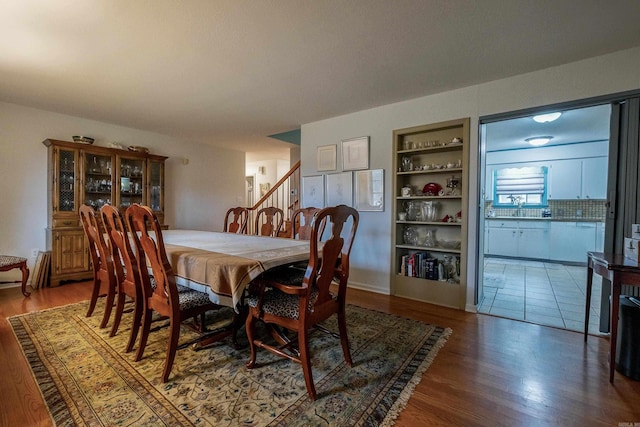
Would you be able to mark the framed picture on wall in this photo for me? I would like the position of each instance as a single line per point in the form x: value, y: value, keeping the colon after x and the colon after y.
x: 327, y: 158
x: 339, y: 189
x: 312, y: 191
x: 355, y: 153
x: 369, y: 194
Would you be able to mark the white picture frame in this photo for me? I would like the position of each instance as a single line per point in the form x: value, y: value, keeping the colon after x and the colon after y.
x: 326, y: 158
x: 339, y: 189
x: 369, y: 190
x: 312, y: 191
x: 355, y: 153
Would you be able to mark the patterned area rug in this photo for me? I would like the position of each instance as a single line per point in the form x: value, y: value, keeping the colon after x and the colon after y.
x: 87, y: 379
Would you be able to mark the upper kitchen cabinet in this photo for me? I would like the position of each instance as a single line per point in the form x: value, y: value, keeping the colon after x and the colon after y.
x: 594, y: 178
x: 578, y: 179
x: 95, y: 176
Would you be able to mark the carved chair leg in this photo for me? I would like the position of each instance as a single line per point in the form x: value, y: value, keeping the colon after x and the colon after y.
x: 118, y: 316
x: 108, y: 306
x: 94, y: 296
x: 135, y: 327
x: 146, y: 326
x: 344, y: 338
x: 250, y: 330
x: 25, y: 277
x: 305, y: 360
x: 174, y: 333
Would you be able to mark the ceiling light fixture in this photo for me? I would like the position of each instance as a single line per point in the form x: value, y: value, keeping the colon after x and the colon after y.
x: 547, y: 118
x: 537, y: 141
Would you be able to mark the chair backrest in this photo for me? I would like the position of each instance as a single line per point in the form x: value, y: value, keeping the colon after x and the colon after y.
x: 302, y: 222
x: 332, y: 261
x: 235, y: 221
x: 269, y: 221
x: 121, y: 250
x: 98, y: 247
x: 151, y: 251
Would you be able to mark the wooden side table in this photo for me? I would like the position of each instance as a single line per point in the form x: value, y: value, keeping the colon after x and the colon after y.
x: 620, y: 271
x: 8, y: 262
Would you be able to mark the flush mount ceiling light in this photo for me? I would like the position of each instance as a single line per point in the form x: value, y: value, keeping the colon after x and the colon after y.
x: 547, y: 118
x: 538, y: 140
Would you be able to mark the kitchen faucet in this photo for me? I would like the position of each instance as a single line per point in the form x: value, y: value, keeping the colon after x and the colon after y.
x: 518, y: 201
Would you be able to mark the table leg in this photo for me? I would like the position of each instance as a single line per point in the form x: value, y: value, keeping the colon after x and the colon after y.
x: 588, y: 303
x: 615, y: 304
x: 25, y: 277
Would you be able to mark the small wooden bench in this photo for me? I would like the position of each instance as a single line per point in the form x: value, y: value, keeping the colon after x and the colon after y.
x: 8, y: 262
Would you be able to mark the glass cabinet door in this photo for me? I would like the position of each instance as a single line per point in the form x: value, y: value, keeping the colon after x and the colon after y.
x: 132, y: 181
x: 98, y: 180
x: 66, y: 191
x: 156, y: 185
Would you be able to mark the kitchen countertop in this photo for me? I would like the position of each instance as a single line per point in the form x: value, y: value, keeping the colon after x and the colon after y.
x: 538, y: 218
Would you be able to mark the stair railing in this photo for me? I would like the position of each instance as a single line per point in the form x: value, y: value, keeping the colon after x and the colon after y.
x: 284, y: 195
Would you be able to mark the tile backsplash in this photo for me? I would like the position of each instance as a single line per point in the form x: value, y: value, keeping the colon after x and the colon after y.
x: 560, y: 209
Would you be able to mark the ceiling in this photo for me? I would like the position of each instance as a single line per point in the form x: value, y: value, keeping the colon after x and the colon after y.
x: 573, y: 126
x: 231, y: 72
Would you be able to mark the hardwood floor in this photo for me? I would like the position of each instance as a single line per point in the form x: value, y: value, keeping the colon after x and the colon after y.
x: 492, y: 371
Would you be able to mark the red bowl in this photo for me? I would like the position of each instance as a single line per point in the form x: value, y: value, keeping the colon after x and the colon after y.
x: 431, y: 189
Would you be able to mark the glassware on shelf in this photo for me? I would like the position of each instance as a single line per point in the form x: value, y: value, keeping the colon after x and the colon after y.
x: 452, y: 185
x: 429, y: 210
x: 410, y: 236
x: 413, y: 211
x: 407, y: 164
x: 430, y: 238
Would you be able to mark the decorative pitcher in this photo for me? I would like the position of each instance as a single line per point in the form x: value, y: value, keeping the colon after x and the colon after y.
x: 413, y: 211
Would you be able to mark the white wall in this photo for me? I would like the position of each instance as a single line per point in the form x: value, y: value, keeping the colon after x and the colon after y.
x: 197, y: 194
x: 372, y: 248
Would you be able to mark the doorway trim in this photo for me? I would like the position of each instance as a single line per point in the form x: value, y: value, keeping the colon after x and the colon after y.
x: 481, y: 166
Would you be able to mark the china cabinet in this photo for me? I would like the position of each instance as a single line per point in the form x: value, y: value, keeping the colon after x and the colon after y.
x: 430, y: 192
x: 86, y: 174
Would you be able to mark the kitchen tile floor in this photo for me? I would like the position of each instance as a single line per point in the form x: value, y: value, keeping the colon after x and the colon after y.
x: 540, y: 292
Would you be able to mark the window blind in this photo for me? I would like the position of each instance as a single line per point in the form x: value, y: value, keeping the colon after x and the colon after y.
x: 528, y: 180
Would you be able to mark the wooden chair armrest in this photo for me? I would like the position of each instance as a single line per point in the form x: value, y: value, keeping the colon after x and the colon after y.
x: 288, y: 289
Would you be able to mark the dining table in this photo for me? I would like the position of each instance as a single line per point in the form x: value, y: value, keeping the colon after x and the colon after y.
x: 223, y: 264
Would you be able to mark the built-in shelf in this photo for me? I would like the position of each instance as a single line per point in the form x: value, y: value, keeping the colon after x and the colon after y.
x: 431, y: 154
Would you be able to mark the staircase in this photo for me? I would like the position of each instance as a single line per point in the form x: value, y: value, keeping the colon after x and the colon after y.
x: 285, y: 194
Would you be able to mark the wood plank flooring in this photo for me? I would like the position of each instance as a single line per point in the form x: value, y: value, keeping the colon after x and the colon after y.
x: 491, y: 372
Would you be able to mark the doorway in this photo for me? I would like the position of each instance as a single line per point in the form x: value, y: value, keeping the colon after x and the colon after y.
x: 250, y: 181
x: 543, y: 206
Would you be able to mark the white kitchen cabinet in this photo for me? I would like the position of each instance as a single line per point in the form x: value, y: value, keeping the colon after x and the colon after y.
x: 503, y: 241
x: 565, y: 180
x: 526, y: 239
x: 570, y: 241
x: 578, y: 179
x: 533, y: 243
x: 594, y: 178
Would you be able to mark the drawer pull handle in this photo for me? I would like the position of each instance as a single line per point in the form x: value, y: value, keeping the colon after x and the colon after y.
x: 66, y: 223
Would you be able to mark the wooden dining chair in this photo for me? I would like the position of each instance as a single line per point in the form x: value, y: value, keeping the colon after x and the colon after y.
x: 298, y: 306
x: 104, y: 279
x: 269, y: 221
x: 235, y: 221
x: 162, y: 294
x: 126, y: 271
x: 302, y: 222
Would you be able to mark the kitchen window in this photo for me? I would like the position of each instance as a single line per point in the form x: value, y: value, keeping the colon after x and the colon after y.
x: 522, y: 187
